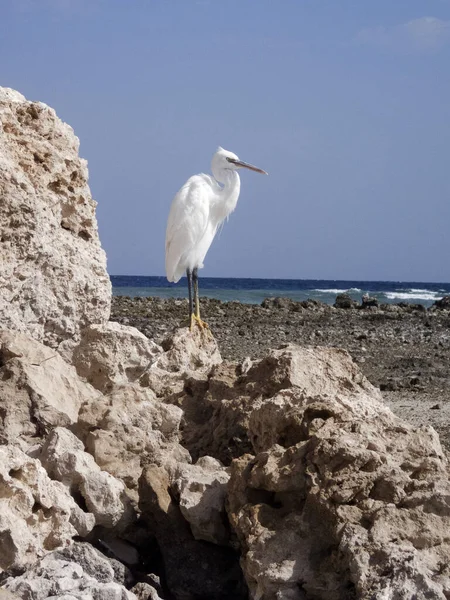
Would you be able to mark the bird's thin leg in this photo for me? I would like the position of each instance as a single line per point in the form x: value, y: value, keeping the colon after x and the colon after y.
x: 191, y: 303
x: 196, y: 299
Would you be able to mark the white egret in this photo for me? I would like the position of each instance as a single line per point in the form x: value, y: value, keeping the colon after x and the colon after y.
x: 197, y: 210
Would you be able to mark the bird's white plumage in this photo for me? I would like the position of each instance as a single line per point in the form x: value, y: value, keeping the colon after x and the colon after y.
x: 197, y: 211
x: 189, y: 230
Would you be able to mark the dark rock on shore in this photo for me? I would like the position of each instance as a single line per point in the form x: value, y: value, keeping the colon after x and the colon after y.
x: 345, y: 301
x: 368, y: 302
x: 443, y: 303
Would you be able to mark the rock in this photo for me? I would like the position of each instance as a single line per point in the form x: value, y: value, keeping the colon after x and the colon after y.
x: 392, y: 384
x: 118, y: 550
x: 89, y: 559
x: 411, y: 306
x: 281, y: 304
x: 194, y: 569
x: 216, y: 413
x: 344, y: 301
x: 37, y: 514
x: 369, y: 301
x: 38, y: 390
x: 53, y: 279
x: 5, y: 595
x: 112, y: 354
x: 442, y: 304
x: 186, y: 354
x: 144, y: 591
x: 339, y: 497
x: 58, y: 578
x: 122, y: 573
x: 217, y: 416
x: 64, y: 459
x: 129, y: 428
x: 95, y: 564
x: 201, y: 489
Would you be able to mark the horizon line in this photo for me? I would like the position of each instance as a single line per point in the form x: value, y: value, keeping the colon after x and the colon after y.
x: 296, y: 279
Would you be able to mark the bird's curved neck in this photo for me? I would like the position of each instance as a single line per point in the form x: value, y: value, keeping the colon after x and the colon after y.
x: 227, y: 195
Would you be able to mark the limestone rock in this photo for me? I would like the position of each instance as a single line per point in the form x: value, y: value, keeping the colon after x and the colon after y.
x: 5, y: 595
x: 194, y: 569
x: 64, y: 458
x: 53, y: 278
x: 129, y: 428
x: 339, y: 498
x: 37, y: 514
x: 112, y: 354
x: 144, y: 591
x: 186, y: 354
x: 217, y: 414
x: 38, y: 390
x: 75, y: 574
x: 201, y: 489
x: 93, y: 562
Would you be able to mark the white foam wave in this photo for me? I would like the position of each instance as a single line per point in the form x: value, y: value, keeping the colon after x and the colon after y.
x: 413, y: 295
x: 336, y: 291
x: 416, y: 290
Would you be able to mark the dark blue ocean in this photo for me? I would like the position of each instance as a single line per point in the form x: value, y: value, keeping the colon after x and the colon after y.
x: 253, y: 291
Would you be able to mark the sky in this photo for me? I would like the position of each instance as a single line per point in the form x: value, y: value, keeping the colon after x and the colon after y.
x: 346, y: 103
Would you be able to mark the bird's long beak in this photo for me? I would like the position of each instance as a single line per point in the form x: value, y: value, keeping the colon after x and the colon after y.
x: 241, y: 163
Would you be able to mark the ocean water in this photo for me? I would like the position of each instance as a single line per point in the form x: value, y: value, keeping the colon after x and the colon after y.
x: 253, y: 291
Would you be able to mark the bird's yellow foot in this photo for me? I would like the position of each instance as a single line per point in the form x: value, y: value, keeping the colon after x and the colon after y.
x: 198, y: 321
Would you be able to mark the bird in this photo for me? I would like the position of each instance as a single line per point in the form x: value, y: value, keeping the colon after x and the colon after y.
x: 196, y: 212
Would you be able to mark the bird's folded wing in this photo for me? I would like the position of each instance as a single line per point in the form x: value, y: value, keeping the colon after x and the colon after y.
x: 187, y: 223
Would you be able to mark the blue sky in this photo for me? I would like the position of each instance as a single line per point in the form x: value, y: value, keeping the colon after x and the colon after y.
x: 345, y: 103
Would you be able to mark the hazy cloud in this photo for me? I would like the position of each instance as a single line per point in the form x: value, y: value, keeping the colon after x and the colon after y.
x: 424, y: 34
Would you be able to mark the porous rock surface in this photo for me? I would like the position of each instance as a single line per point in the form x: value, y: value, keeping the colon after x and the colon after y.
x: 187, y: 355
x: 331, y: 496
x: 301, y: 472
x: 38, y: 390
x: 127, y: 429
x: 53, y: 279
x: 79, y: 572
x: 339, y: 498
x: 65, y: 460
x: 37, y: 514
x: 194, y: 569
x: 111, y: 354
x: 202, y: 489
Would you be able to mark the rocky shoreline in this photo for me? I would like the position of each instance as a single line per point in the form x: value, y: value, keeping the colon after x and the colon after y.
x: 403, y: 349
x: 140, y: 460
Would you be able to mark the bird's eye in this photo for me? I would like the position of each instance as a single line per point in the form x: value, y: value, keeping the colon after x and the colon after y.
x: 231, y: 160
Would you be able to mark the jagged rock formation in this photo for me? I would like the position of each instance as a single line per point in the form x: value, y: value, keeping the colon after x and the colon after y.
x: 53, y: 279
x: 111, y: 354
x: 36, y: 513
x: 38, y: 390
x: 339, y: 498
x: 279, y: 478
x: 77, y: 572
x: 331, y: 496
x: 65, y: 460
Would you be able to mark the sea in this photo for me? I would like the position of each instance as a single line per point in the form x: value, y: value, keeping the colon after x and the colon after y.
x: 253, y: 291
